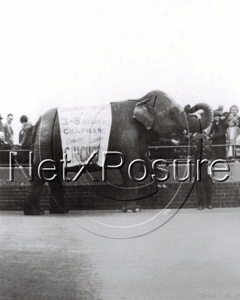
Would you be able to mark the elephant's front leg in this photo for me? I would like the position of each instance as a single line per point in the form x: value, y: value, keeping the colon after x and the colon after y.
x: 135, y: 188
x: 131, y: 192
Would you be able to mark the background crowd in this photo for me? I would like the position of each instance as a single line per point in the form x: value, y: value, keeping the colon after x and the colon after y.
x: 225, y: 131
x: 6, y: 134
x: 224, y: 134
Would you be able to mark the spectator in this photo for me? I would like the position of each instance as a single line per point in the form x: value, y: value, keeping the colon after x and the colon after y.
x: 4, y: 156
x: 1, y: 124
x: 25, y: 134
x: 237, y: 148
x: 224, y: 118
x: 234, y: 113
x: 220, y: 110
x: 3, y: 144
x: 201, y: 148
x: 8, y: 130
x: 217, y: 135
x: 231, y: 136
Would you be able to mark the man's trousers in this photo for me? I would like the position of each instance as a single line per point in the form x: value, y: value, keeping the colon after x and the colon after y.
x: 204, y: 190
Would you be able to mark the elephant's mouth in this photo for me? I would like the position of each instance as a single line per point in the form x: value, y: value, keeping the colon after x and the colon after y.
x: 175, y: 133
x: 179, y: 132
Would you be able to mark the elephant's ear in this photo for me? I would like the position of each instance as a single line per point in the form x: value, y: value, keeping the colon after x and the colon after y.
x: 144, y: 111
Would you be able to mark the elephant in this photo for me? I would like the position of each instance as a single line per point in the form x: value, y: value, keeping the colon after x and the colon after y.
x: 136, y: 124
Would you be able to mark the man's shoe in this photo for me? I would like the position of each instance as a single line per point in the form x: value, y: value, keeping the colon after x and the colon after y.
x: 200, y: 207
x: 210, y: 207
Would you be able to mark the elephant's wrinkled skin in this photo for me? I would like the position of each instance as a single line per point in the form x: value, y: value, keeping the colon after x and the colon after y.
x: 135, y: 125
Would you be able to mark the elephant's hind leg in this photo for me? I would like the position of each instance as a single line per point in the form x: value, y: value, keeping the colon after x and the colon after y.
x: 31, y: 204
x: 58, y: 203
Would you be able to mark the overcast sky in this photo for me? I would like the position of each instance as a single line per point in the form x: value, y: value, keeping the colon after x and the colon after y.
x: 56, y: 52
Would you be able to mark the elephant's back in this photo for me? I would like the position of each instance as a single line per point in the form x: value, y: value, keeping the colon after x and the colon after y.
x: 48, y: 137
x: 124, y: 128
x: 122, y: 116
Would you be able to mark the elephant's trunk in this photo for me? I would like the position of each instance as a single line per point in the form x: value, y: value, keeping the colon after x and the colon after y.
x: 195, y: 124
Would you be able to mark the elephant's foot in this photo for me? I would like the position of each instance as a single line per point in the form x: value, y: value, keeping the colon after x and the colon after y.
x: 161, y: 186
x: 131, y: 208
x: 58, y: 210
x: 32, y: 211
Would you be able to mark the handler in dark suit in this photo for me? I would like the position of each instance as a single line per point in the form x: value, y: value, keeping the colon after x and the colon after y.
x: 202, y: 149
x: 1, y: 124
x: 4, y: 156
x: 25, y: 134
x: 217, y: 135
x: 3, y: 144
x: 8, y: 130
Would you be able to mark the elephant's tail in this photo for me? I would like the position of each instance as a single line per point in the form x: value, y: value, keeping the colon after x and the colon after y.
x: 35, y: 129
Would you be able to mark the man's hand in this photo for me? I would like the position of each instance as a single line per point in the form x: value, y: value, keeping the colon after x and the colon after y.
x: 175, y: 142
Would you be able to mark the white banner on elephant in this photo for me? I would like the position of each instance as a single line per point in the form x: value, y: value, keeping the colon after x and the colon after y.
x: 84, y: 129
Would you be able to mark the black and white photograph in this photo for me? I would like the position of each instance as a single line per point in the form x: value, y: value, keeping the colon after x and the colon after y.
x: 119, y: 150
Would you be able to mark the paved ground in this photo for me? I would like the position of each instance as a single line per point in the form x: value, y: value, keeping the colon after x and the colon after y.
x: 195, y: 255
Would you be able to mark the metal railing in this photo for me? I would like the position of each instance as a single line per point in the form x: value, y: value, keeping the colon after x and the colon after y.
x: 236, y: 150
x: 21, y: 157
x: 181, y: 152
